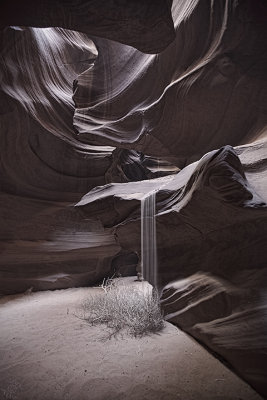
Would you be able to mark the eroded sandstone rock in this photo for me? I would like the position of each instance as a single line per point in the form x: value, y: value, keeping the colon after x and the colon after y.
x: 90, y: 126
x: 146, y: 25
x: 192, y: 98
x: 211, y: 235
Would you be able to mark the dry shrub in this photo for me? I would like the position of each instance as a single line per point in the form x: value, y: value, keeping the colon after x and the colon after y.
x: 133, y: 309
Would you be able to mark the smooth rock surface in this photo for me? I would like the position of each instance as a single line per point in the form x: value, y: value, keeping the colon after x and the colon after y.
x: 146, y: 25
x: 211, y: 240
x: 89, y: 126
x: 210, y: 89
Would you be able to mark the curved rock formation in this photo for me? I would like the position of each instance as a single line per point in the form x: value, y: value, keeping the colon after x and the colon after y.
x: 45, y: 242
x: 188, y: 222
x: 207, y: 80
x: 146, y: 25
x: 211, y: 235
x: 89, y: 126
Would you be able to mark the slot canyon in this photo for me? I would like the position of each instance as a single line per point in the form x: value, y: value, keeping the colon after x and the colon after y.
x: 105, y: 102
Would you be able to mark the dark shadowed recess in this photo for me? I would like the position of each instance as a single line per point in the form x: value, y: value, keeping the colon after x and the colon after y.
x: 146, y: 25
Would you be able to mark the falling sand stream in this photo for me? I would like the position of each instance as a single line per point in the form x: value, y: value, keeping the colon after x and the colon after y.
x: 149, y: 238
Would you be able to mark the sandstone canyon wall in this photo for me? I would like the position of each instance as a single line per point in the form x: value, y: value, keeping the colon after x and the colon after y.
x: 90, y: 125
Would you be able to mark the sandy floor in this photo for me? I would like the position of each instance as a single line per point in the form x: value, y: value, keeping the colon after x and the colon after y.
x: 46, y: 352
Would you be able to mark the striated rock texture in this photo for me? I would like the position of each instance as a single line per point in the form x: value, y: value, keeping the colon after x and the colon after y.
x: 211, y: 236
x: 45, y: 243
x: 220, y: 294
x: 206, y: 81
x: 88, y: 126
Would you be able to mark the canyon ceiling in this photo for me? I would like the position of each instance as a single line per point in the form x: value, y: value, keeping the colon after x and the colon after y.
x: 104, y: 102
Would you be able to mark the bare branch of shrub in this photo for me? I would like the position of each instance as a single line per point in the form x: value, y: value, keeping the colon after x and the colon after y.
x: 133, y: 309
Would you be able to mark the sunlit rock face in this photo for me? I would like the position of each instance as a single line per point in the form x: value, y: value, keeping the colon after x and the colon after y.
x: 45, y: 242
x: 191, y: 98
x: 89, y: 126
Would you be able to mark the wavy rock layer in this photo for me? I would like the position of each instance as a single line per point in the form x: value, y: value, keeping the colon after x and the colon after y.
x: 211, y: 235
x: 45, y: 243
x: 90, y: 126
x: 206, y: 81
